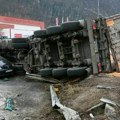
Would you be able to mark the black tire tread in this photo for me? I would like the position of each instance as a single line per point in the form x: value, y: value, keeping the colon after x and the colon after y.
x: 59, y: 72
x: 19, y: 40
x: 70, y: 26
x: 53, y: 30
x: 20, y: 45
x: 46, y: 72
x: 40, y: 33
x: 76, y: 72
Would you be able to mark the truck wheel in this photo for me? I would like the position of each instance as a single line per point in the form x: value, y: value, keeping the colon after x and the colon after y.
x: 59, y: 72
x: 20, y: 45
x: 53, y: 30
x: 19, y: 40
x: 40, y: 33
x: 47, y: 72
x: 76, y: 72
x: 70, y: 26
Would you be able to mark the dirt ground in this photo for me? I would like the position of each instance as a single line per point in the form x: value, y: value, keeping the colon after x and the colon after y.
x: 83, y: 95
x: 32, y: 98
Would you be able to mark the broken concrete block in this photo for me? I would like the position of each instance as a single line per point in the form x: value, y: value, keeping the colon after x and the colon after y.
x: 108, y: 101
x: 110, y: 112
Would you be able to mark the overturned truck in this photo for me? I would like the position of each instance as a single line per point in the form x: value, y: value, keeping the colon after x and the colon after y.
x: 72, y: 49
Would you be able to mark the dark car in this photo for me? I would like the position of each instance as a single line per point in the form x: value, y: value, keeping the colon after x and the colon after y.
x: 6, y: 68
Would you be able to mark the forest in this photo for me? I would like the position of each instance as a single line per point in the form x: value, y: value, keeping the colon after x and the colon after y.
x: 48, y: 10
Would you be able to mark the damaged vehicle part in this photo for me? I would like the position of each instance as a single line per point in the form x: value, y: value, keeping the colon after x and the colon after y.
x: 6, y: 68
x: 68, y: 113
x: 111, y: 113
x: 109, y: 102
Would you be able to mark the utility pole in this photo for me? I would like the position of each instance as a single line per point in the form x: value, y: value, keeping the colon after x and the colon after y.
x: 98, y: 8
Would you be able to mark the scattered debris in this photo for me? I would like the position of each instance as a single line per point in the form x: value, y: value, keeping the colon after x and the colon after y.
x: 110, y: 112
x: 74, y: 81
x: 109, y: 102
x: 96, y: 106
x: 54, y: 97
x: 9, y: 104
x: 38, y: 77
x: 91, y: 115
x: 105, y: 87
x: 68, y: 113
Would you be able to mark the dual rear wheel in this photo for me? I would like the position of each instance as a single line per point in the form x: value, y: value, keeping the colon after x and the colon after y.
x: 64, y: 72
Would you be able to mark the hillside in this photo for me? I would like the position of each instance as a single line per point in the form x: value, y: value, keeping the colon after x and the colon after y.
x: 48, y: 10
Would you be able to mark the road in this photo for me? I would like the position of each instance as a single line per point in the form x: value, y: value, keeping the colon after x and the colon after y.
x: 30, y: 98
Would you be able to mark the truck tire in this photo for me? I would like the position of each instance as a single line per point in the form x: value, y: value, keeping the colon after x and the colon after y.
x: 70, y: 26
x: 39, y: 33
x: 46, y: 72
x: 53, y: 30
x: 20, y: 45
x: 19, y: 40
x: 77, y: 72
x: 59, y: 72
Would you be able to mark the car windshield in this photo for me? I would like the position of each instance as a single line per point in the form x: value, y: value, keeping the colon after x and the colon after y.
x: 4, y: 61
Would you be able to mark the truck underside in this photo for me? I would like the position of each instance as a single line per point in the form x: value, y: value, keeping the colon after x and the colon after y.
x: 72, y: 49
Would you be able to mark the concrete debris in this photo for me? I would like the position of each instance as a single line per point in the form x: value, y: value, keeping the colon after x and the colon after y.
x: 109, y: 102
x: 110, y: 112
x: 96, y: 106
x: 38, y: 77
x: 68, y: 113
x: 105, y: 87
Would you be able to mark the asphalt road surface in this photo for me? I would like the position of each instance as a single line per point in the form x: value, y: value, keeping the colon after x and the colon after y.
x: 30, y: 98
